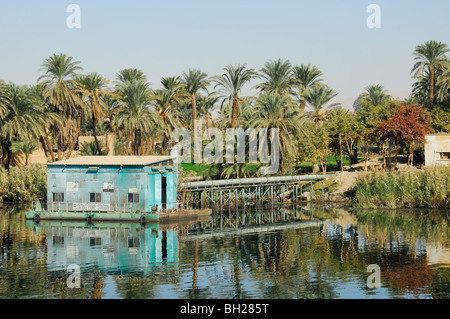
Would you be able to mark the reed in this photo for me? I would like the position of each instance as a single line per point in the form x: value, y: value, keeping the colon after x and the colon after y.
x: 426, y: 188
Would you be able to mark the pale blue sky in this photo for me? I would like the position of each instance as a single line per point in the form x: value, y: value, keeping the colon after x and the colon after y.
x: 165, y: 38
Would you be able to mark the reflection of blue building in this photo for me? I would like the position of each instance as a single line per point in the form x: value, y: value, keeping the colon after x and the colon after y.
x: 117, y: 250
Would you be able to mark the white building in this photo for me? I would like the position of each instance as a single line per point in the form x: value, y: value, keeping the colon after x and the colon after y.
x: 437, y: 149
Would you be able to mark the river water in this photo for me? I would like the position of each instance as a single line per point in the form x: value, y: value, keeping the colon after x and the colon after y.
x: 287, y: 252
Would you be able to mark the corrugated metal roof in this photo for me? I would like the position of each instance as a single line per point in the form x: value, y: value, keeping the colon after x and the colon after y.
x: 112, y: 160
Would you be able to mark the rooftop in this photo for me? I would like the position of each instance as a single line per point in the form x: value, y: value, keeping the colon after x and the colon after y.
x: 113, y: 160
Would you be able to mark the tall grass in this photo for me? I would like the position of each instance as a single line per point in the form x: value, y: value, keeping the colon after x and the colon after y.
x: 427, y: 188
x: 24, y: 184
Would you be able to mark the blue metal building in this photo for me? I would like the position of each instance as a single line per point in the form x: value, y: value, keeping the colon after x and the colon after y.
x: 112, y: 184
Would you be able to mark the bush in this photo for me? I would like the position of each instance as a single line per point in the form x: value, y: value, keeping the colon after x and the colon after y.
x: 24, y: 184
x: 428, y: 188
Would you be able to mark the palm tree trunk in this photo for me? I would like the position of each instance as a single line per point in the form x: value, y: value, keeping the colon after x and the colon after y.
x: 49, y: 145
x: 94, y: 132
x: 197, y: 149
x: 234, y: 113
x: 302, y: 104
x: 431, y: 83
x: 94, y: 124
x: 77, y: 134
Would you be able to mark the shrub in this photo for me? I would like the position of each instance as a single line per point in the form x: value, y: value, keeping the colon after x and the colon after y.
x: 428, y: 188
x: 24, y: 184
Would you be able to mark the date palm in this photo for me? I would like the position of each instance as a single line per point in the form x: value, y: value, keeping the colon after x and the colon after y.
x: 194, y: 81
x: 303, y: 78
x: 375, y: 94
x: 4, y: 99
x: 25, y: 147
x: 279, y: 112
x: 232, y: 82
x: 57, y: 80
x: 317, y: 97
x: 24, y: 120
x: 430, y: 56
x: 277, y: 77
x: 134, y: 118
x: 92, y: 87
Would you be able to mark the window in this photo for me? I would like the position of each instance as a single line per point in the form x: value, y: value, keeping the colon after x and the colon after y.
x: 58, y: 197
x: 95, y: 197
x: 95, y: 241
x: 133, y: 242
x: 133, y: 198
x: 445, y: 155
x: 58, y: 240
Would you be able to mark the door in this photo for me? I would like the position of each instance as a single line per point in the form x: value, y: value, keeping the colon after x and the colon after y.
x: 164, y: 192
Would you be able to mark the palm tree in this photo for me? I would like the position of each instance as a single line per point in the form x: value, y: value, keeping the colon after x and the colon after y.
x: 26, y: 147
x: 232, y: 83
x: 90, y: 148
x: 195, y: 81
x: 317, y: 96
x: 304, y: 77
x: 110, y: 107
x: 375, y: 94
x: 430, y: 56
x: 279, y: 112
x: 443, y: 81
x: 130, y: 75
x: 4, y: 99
x: 24, y: 120
x: 92, y: 86
x: 59, y: 92
x: 276, y: 75
x: 134, y: 117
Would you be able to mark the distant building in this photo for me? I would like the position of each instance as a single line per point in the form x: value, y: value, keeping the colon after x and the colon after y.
x: 437, y: 149
x: 112, y: 184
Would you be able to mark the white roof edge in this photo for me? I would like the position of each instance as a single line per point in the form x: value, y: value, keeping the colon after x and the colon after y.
x: 112, y: 160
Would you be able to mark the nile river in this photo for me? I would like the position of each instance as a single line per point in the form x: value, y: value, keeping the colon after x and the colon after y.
x: 287, y: 252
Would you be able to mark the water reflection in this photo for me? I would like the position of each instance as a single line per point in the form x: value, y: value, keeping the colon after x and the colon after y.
x: 283, y: 252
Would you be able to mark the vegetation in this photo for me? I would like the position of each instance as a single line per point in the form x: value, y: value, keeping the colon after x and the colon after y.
x: 292, y: 98
x: 427, y: 188
x: 24, y: 184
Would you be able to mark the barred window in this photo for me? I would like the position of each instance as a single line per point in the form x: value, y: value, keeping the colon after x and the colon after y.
x: 58, y: 197
x: 95, y: 197
x: 133, y: 198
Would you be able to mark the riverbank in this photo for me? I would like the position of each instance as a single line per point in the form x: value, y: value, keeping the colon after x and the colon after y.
x: 401, y: 187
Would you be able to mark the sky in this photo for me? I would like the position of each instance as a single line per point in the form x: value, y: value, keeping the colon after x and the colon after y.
x: 167, y: 38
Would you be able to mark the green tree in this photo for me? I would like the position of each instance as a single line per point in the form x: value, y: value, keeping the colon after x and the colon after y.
x: 343, y: 130
x: 304, y: 77
x: 374, y: 94
x: 232, y: 82
x: 430, y: 56
x: 25, y: 147
x: 92, y: 87
x: 134, y: 118
x: 276, y: 77
x: 317, y: 97
x: 315, y: 146
x: 195, y: 81
x: 24, y: 119
x: 279, y: 112
x: 57, y: 80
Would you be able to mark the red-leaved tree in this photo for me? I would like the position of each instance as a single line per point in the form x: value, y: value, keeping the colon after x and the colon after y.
x: 409, y: 124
